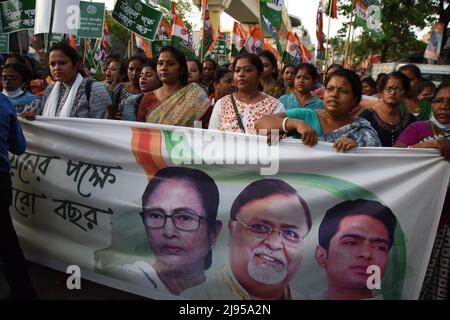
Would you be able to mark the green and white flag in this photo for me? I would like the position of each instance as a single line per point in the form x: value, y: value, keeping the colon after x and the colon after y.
x: 180, y: 37
x: 157, y: 45
x: 271, y: 15
x: 368, y: 16
x: 137, y: 17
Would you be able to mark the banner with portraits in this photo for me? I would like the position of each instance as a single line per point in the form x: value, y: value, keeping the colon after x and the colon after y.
x: 186, y: 213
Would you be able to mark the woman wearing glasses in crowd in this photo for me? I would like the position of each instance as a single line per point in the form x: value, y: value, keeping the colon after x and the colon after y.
x: 332, y: 124
x: 388, y: 119
x: 16, y: 80
x: 180, y: 219
x: 435, y: 134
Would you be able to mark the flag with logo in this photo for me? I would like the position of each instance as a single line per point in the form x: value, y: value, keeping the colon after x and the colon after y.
x: 88, y: 56
x: 142, y: 44
x: 180, y: 37
x: 331, y: 8
x: 164, y: 30
x: 368, y: 16
x: 254, y: 42
x: 271, y: 15
x: 433, y: 49
x: 268, y: 46
x: 306, y: 54
x: 293, y: 52
x: 72, y: 41
x: 319, y: 32
x: 238, y: 39
x: 208, y: 36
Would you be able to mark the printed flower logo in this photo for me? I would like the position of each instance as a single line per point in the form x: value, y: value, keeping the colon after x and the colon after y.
x: 91, y: 9
x: 138, y: 6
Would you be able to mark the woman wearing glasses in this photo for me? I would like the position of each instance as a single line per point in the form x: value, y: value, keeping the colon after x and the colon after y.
x: 435, y: 134
x: 389, y: 120
x: 16, y: 82
x: 179, y: 215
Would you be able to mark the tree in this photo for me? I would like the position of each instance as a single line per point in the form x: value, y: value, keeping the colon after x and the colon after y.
x: 400, y: 19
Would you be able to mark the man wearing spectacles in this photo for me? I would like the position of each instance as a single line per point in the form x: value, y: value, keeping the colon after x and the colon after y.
x: 268, y: 224
x: 353, y: 236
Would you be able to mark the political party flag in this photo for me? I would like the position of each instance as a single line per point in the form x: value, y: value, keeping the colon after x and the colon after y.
x: 88, y: 56
x: 271, y: 15
x: 368, y: 16
x: 164, y: 30
x: 307, y: 55
x: 331, y: 8
x: 208, y: 36
x: 433, y: 49
x: 268, y: 46
x: 72, y: 41
x: 254, y: 42
x: 180, y: 37
x: 319, y: 31
x: 238, y: 39
x: 142, y: 44
x: 293, y: 53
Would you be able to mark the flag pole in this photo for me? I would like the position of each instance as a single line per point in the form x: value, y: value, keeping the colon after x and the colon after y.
x: 202, y: 43
x: 84, y: 51
x: 326, y: 47
x: 50, y: 27
x: 19, y: 37
x: 347, y: 45
x: 260, y: 23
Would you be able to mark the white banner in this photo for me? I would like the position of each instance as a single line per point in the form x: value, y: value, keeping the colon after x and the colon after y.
x: 66, y: 18
x: 227, y: 215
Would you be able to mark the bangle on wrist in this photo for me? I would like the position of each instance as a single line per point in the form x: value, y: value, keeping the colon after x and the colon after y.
x: 284, y: 125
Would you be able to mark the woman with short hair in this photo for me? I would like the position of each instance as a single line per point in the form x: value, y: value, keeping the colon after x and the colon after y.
x: 16, y: 81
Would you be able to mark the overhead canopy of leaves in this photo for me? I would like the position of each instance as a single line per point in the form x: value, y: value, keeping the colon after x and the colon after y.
x: 401, y: 19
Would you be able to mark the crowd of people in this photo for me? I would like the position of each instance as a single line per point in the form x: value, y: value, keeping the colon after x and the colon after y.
x: 398, y: 109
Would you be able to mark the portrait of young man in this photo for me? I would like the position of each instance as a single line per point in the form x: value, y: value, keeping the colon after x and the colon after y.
x: 353, y: 236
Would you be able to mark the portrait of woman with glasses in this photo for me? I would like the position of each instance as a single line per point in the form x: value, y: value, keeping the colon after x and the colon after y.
x: 179, y: 213
x: 389, y: 120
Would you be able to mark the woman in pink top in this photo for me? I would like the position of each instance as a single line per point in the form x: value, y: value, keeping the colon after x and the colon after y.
x: 251, y: 103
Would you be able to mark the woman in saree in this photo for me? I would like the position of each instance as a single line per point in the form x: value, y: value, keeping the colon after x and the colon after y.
x: 176, y: 102
x: 334, y: 123
x: 435, y: 133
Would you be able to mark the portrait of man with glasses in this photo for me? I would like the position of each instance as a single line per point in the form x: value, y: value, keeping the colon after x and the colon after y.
x: 268, y: 224
x: 179, y: 214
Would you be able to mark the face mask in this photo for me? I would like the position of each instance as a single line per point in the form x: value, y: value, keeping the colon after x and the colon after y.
x: 445, y: 127
x: 13, y: 94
